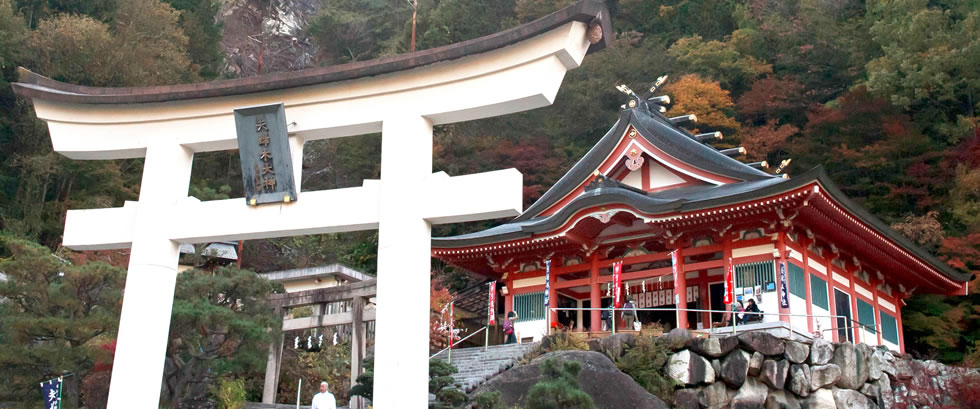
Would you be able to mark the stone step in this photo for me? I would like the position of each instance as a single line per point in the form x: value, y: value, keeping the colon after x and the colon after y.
x: 475, y: 365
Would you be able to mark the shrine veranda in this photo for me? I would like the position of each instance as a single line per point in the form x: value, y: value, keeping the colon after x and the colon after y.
x: 402, y: 97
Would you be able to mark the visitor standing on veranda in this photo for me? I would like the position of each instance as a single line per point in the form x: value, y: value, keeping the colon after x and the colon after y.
x: 324, y: 399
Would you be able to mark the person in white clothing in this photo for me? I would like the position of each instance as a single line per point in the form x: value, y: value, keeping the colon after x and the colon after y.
x: 324, y: 399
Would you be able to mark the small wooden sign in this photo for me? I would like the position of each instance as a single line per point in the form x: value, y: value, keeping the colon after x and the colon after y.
x: 263, y: 145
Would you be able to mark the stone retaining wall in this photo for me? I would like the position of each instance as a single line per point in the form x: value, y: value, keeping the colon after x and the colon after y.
x: 757, y: 369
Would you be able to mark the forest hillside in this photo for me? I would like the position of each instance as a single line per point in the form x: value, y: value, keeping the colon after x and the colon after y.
x: 883, y: 93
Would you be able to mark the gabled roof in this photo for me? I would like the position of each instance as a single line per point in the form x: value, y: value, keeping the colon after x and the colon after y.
x: 661, y: 133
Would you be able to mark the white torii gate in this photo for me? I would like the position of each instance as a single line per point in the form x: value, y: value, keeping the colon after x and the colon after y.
x: 402, y: 97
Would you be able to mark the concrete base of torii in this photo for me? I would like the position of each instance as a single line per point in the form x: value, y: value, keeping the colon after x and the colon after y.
x: 402, y: 96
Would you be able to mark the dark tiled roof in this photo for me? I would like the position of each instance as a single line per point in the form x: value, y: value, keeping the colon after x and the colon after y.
x: 657, y: 130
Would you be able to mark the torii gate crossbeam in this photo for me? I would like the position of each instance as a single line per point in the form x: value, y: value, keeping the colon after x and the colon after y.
x: 403, y: 97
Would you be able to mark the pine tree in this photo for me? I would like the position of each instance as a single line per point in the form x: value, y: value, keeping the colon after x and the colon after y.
x: 54, y: 314
x: 559, y: 389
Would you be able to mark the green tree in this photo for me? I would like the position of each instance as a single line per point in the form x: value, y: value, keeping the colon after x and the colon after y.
x: 365, y: 381
x: 929, y: 62
x: 440, y: 380
x: 220, y: 326
x: 559, y: 387
x: 54, y: 315
x: 197, y: 20
x: 717, y: 60
x: 669, y: 20
x: 331, y: 363
x: 355, y: 30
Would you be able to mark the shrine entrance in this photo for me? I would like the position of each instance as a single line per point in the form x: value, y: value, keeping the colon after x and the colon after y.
x: 402, y: 97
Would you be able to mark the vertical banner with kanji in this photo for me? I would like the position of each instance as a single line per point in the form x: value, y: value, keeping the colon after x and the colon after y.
x: 452, y: 332
x: 617, y: 282
x: 547, y: 285
x: 783, y: 290
x: 51, y: 393
x: 674, y: 263
x: 492, y: 304
x: 729, y: 283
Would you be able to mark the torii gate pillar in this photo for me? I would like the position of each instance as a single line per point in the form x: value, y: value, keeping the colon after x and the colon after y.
x: 402, y: 96
x: 404, y: 248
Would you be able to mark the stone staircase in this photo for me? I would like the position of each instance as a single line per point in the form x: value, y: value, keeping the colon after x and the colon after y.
x: 476, y: 366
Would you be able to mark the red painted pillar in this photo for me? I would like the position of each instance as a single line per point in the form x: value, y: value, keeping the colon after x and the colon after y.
x: 553, y: 302
x: 595, y: 298
x: 783, y: 253
x: 898, y: 316
x: 680, y: 289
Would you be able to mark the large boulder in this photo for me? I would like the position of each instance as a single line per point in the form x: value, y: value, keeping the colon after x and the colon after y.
x: 755, y: 363
x: 821, y: 399
x: 851, y: 399
x: 886, y: 399
x: 716, y: 396
x: 782, y: 400
x: 752, y: 395
x: 616, y: 345
x: 617, y: 390
x: 871, y: 391
x: 799, y: 380
x: 677, y: 339
x: 903, y: 369
x: 688, y: 368
x: 797, y: 352
x: 774, y: 373
x: 687, y: 399
x: 821, y: 352
x: 734, y: 368
x: 881, y: 364
x: 822, y: 376
x: 762, y: 342
x: 853, y: 366
x: 713, y: 347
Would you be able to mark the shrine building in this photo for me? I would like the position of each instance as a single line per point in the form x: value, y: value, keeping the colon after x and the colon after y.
x: 649, y: 187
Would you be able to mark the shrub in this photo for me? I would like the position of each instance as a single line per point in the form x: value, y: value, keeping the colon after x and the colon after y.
x: 230, y: 393
x: 559, y: 389
x: 644, y: 363
x: 440, y: 377
x: 964, y: 391
x: 565, y: 341
x: 489, y: 400
x: 365, y: 381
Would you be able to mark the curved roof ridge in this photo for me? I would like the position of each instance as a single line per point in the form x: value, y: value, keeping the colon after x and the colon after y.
x: 581, y: 170
x: 32, y: 85
x: 663, y: 134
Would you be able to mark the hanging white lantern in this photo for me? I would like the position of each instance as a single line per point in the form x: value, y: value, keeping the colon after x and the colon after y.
x: 644, y: 285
